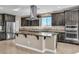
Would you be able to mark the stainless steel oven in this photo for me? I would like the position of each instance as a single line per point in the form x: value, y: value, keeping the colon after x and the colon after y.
x: 71, y: 32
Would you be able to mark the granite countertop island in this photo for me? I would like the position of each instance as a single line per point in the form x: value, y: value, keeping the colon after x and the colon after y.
x: 43, y: 29
x: 38, y: 39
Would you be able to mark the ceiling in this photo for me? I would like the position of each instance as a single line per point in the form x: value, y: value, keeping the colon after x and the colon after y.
x: 24, y: 10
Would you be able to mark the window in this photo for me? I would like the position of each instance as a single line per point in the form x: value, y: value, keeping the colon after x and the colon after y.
x: 46, y: 21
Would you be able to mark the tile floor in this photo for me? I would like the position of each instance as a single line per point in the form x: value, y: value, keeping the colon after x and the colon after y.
x: 9, y: 47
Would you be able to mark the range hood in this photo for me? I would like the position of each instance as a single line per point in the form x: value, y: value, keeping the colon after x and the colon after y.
x: 33, y: 12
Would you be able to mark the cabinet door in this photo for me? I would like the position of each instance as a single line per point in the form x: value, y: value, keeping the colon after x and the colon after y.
x: 1, y: 20
x: 58, y: 19
x: 35, y: 22
x: 22, y: 20
x: 61, y: 20
x: 54, y: 17
x: 2, y: 35
x: 71, y: 17
x: 75, y: 17
x: 61, y: 37
x: 9, y: 18
x: 67, y: 17
x: 25, y: 22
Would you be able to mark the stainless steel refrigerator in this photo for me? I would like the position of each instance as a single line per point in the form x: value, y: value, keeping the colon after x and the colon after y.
x: 10, y: 30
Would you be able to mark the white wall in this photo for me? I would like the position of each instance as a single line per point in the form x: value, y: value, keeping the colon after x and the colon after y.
x: 18, y: 22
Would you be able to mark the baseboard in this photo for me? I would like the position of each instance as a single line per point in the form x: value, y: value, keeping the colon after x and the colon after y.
x: 42, y: 51
x: 53, y: 51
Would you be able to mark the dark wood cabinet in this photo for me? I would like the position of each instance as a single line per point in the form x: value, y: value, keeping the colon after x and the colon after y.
x: 61, y: 20
x: 1, y: 20
x: 35, y: 22
x: 71, y: 17
x: 67, y: 17
x: 2, y: 36
x: 6, y: 17
x: 61, y: 37
x: 54, y: 17
x: 23, y: 22
x: 9, y: 18
x: 58, y: 19
x: 75, y: 17
x: 26, y: 22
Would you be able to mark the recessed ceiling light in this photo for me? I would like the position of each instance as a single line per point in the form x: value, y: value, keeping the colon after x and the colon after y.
x: 17, y: 9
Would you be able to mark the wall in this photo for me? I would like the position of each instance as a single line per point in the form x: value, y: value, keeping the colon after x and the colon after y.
x: 18, y: 23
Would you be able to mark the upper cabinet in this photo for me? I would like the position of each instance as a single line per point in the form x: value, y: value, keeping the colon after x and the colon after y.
x: 71, y: 17
x: 35, y: 22
x: 26, y: 22
x: 58, y: 19
x: 9, y: 18
x: 1, y: 21
x: 6, y: 17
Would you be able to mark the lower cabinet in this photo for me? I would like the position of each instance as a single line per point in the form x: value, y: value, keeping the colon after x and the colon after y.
x: 30, y: 42
x: 51, y: 44
x: 2, y: 36
x: 61, y: 37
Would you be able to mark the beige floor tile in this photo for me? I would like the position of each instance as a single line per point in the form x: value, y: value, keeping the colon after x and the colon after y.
x: 9, y: 47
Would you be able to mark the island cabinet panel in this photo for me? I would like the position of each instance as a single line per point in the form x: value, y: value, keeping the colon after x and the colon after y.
x: 30, y: 41
x: 38, y: 41
x: 50, y: 43
x: 58, y: 19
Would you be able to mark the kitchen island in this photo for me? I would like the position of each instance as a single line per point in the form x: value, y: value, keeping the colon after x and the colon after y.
x: 40, y: 41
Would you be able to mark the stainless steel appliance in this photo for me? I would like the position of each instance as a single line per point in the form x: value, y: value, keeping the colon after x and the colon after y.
x: 72, y: 25
x: 10, y: 30
x: 71, y: 32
